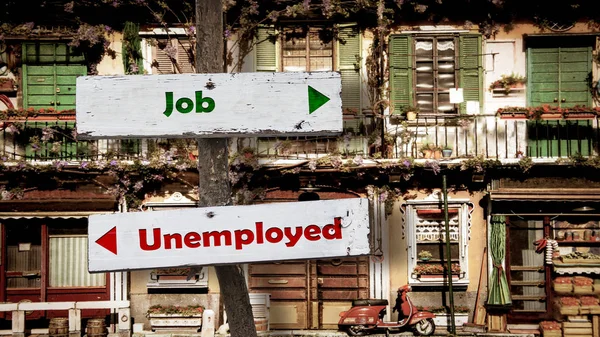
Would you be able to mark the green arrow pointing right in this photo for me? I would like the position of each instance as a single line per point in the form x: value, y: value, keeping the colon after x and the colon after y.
x: 315, y: 99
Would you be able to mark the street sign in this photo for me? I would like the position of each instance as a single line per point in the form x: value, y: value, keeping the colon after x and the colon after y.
x: 209, y: 105
x: 228, y: 234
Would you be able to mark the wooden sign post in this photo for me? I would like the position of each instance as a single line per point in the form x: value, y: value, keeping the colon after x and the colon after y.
x: 209, y: 105
x: 229, y: 234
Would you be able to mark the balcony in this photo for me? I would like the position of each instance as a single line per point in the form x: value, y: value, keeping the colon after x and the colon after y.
x: 50, y: 138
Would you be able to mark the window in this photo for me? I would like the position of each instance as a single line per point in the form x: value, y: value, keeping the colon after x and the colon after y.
x: 175, y: 278
x: 426, y: 240
x: 306, y: 51
x: 168, y: 51
x: 173, y: 56
x: 68, y: 258
x: 424, y: 67
x: 314, y: 49
x: 46, y: 259
x: 435, y: 73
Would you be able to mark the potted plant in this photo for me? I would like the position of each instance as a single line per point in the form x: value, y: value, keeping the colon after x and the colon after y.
x: 446, y: 151
x: 407, y: 112
x: 425, y: 255
x: 429, y: 150
x: 507, y: 82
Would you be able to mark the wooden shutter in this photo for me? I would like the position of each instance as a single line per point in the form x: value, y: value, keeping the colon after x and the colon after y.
x: 163, y: 63
x: 266, y: 53
x: 51, y: 86
x: 557, y: 76
x: 185, y: 56
x: 470, y: 62
x: 182, y: 56
x: 349, y: 64
x: 400, y: 71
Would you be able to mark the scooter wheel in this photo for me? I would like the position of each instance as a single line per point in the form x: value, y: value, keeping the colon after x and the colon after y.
x: 357, y: 330
x: 424, y: 327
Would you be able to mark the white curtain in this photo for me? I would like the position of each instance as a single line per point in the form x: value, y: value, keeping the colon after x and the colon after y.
x: 69, y: 263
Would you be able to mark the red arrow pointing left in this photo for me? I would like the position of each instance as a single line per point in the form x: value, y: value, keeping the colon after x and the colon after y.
x: 109, y: 240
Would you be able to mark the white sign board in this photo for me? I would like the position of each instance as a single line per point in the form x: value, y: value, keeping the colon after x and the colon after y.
x: 228, y: 234
x: 209, y: 105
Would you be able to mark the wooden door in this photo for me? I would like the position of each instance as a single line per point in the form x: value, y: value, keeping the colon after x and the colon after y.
x: 51, y: 86
x: 310, y: 294
x: 334, y: 285
x: 287, y: 282
x: 559, y: 76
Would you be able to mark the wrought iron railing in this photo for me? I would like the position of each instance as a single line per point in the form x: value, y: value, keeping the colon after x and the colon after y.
x: 468, y: 136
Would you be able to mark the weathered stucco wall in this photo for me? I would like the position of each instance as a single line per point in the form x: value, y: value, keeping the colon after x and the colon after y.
x: 398, y: 255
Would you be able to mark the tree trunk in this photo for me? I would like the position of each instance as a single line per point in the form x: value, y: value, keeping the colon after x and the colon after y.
x: 213, y: 168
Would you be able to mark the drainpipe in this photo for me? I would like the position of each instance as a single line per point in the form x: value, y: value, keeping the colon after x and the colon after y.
x: 452, y: 330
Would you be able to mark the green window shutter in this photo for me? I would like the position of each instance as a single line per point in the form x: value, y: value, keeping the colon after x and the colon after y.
x: 50, y: 52
x: 471, y: 68
x: 557, y: 76
x: 51, y: 86
x: 266, y: 52
x: 400, y: 71
x: 349, y: 58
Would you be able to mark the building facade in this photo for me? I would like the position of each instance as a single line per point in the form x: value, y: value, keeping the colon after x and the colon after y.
x: 518, y: 110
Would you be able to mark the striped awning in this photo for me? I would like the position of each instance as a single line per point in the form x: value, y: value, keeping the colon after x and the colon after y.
x: 51, y: 215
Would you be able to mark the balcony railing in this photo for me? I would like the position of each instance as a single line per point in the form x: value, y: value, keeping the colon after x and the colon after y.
x: 487, y: 136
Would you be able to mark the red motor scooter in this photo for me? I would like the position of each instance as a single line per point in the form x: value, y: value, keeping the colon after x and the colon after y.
x: 366, y: 316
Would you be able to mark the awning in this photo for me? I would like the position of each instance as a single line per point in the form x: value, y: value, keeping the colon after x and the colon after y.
x: 51, y: 215
x: 546, y: 201
x: 546, y: 194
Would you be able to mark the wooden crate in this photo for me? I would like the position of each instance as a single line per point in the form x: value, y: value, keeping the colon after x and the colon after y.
x: 582, y: 289
x: 569, y: 310
x: 563, y: 288
x: 577, y: 328
x: 552, y: 333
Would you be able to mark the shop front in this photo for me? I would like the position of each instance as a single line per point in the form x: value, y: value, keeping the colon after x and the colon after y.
x: 544, y: 240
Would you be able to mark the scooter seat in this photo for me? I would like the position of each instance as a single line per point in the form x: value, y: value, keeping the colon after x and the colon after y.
x: 368, y: 302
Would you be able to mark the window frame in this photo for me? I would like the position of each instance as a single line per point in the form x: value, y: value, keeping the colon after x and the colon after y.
x: 45, y: 293
x: 468, y: 69
x: 435, y: 70
x: 464, y: 209
x: 173, y: 278
x: 312, y: 29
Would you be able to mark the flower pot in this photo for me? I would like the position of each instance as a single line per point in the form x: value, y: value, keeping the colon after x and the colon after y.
x: 427, y: 154
x: 446, y: 153
x: 424, y: 258
x: 437, y: 154
x: 411, y: 115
